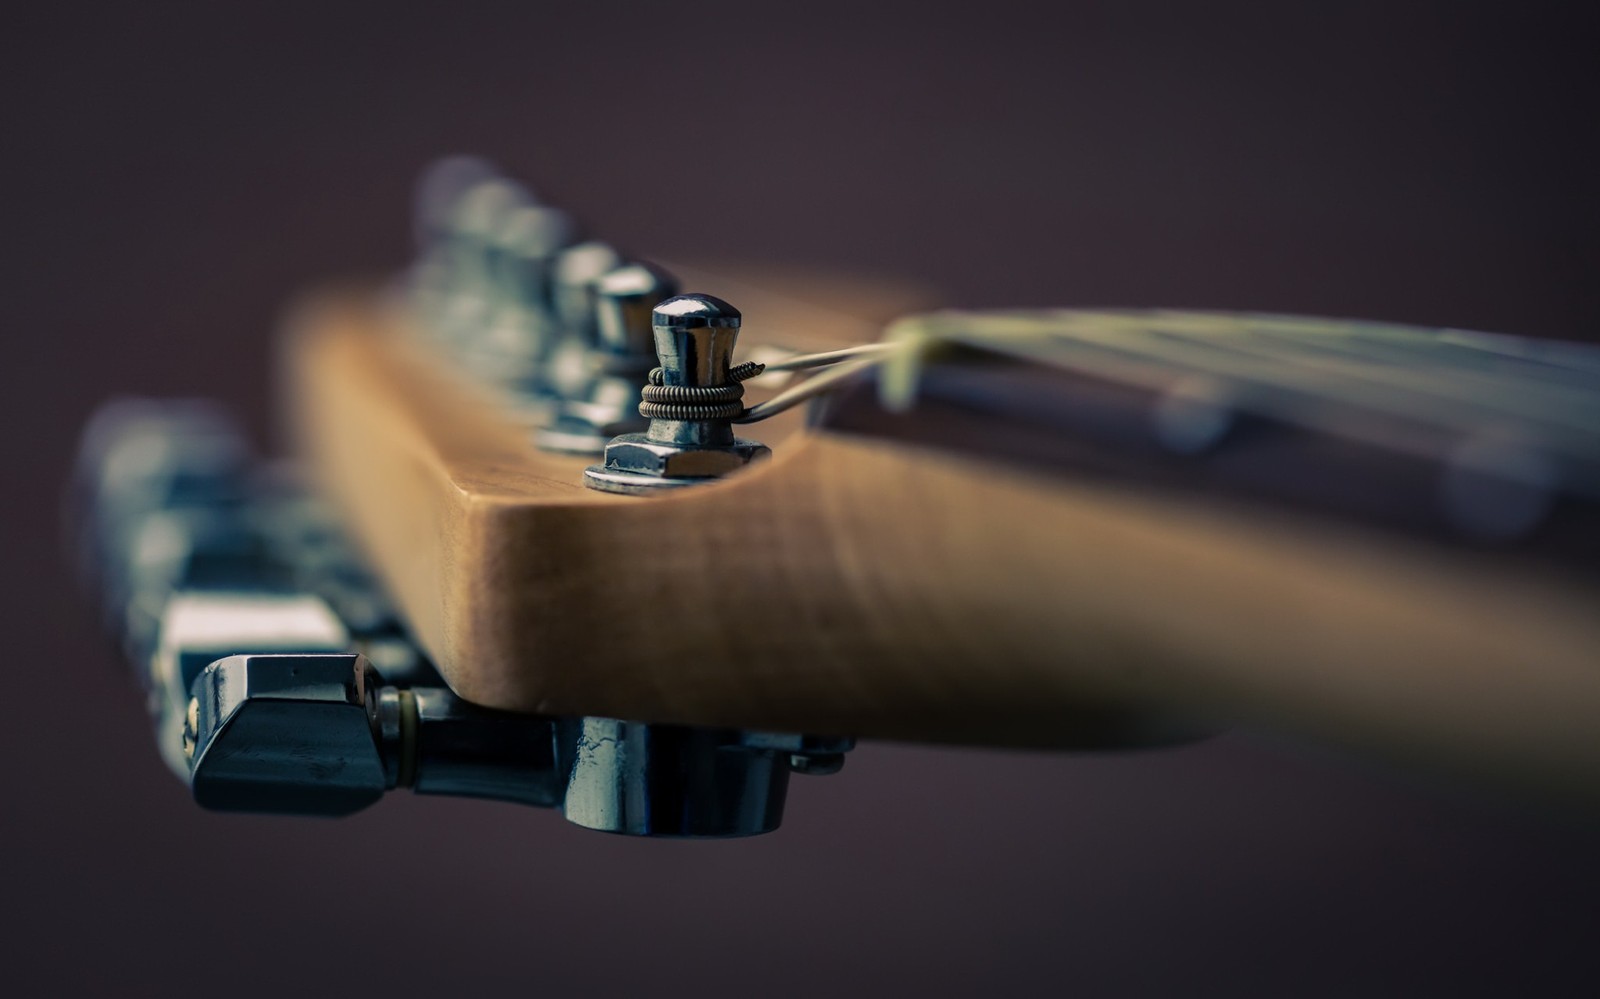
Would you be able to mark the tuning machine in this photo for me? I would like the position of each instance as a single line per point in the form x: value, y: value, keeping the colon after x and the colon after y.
x: 691, y: 402
x: 323, y: 735
x: 461, y: 288
x: 523, y: 254
x: 483, y: 286
x: 616, y: 363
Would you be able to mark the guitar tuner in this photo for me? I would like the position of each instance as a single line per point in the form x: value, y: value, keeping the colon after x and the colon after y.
x: 619, y: 363
x: 691, y: 402
x: 484, y: 245
x: 574, y: 274
x: 306, y: 723
x: 438, y: 194
x: 324, y: 735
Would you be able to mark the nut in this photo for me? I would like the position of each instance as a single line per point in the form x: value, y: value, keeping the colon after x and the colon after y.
x: 638, y: 454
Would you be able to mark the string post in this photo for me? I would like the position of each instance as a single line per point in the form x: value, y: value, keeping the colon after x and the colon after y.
x: 691, y: 402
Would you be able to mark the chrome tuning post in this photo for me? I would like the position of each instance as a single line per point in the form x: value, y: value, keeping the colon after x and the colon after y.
x: 464, y: 290
x: 523, y: 250
x: 438, y: 193
x: 691, y: 402
x: 619, y: 363
x: 573, y: 276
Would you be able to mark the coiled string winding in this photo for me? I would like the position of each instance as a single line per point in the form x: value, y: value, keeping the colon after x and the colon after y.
x: 697, y: 402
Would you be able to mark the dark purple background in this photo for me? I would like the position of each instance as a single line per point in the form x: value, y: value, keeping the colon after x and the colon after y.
x: 173, y: 176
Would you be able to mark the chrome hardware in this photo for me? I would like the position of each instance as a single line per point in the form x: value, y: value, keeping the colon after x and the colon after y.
x: 199, y: 627
x: 438, y: 193
x: 435, y: 743
x: 523, y: 248
x: 482, y: 282
x: 279, y: 679
x: 319, y: 734
x: 574, y: 275
x: 690, y: 403
x: 285, y: 734
x: 666, y: 780
x: 463, y: 291
x: 619, y: 363
x: 570, y: 332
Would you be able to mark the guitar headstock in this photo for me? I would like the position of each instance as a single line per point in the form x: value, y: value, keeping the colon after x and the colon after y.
x: 680, y: 499
x: 282, y: 674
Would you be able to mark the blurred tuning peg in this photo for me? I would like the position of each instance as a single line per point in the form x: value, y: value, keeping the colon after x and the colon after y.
x: 573, y: 276
x: 618, y: 362
x: 143, y: 508
x: 439, y: 191
x: 474, y: 233
x: 436, y: 210
x: 624, y: 301
x: 530, y: 240
x: 526, y: 244
x: 457, y: 287
x: 575, y: 273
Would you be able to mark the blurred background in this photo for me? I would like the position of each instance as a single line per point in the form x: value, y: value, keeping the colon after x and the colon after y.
x: 178, y: 172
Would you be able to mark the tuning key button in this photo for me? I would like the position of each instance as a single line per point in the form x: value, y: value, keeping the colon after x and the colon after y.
x: 691, y: 403
x: 322, y: 735
x: 289, y: 734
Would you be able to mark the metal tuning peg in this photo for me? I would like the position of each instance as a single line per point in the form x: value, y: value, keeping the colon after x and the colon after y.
x: 690, y: 402
x: 619, y: 363
x: 573, y: 278
x: 322, y: 735
x: 154, y: 506
x: 531, y: 238
x: 518, y: 329
x: 438, y: 193
x: 464, y: 290
x: 286, y: 733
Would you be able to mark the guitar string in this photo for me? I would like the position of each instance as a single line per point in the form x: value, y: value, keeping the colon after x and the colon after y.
x: 1313, y: 403
x: 843, y: 369
x: 1048, y: 342
x: 800, y: 362
x: 1119, y: 347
